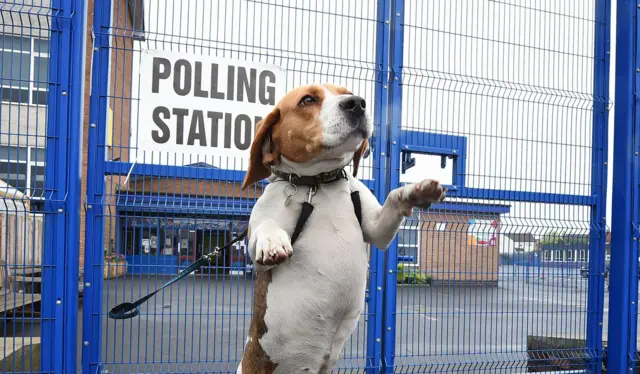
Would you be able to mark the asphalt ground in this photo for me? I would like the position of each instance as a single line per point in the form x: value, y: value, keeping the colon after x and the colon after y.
x: 200, y: 324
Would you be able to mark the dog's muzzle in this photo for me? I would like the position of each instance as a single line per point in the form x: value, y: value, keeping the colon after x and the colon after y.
x: 353, y: 108
x: 353, y: 105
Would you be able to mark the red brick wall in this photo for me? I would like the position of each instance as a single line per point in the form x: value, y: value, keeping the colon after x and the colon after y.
x: 119, y: 101
x: 448, y: 255
x: 85, y: 123
x: 191, y: 187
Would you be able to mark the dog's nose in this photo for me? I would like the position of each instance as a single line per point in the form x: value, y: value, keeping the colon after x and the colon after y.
x: 354, y: 104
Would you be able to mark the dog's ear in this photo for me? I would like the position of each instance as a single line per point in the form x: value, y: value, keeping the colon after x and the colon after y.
x: 264, y: 151
x: 358, y: 155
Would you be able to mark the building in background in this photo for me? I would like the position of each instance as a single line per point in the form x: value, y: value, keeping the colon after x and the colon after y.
x: 24, y: 82
x: 564, y: 250
x: 453, y: 242
x: 165, y: 224
x: 521, y: 242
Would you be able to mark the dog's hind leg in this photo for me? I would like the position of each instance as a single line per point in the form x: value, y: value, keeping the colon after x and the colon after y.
x: 239, y: 370
x: 344, y: 331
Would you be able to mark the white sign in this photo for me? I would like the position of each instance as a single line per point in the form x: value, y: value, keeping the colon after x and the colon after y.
x: 145, y: 245
x: 201, y: 109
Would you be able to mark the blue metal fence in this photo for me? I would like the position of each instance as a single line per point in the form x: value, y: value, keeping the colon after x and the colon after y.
x: 519, y: 135
x: 506, y: 102
x: 513, y: 121
x: 42, y: 70
x: 150, y: 201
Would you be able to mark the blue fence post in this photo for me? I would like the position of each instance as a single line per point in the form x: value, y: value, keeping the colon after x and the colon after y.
x: 624, y: 202
x: 77, y: 12
x: 395, y: 123
x: 632, y: 275
x: 599, y: 151
x: 380, y: 157
x: 94, y: 225
x: 52, y: 266
x: 63, y: 181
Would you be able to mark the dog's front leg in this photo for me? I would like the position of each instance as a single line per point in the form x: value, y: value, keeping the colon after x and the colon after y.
x: 382, y: 222
x: 269, y: 245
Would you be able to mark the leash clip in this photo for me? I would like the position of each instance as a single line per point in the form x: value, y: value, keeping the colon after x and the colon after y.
x: 311, y: 193
x: 210, y: 256
x: 346, y: 179
x: 289, y: 191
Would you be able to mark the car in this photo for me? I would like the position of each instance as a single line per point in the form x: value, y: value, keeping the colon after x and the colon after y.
x: 584, y: 270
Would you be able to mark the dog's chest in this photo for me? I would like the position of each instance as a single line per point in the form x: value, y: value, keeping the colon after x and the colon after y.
x: 333, y: 227
x: 316, y: 296
x: 331, y: 242
x: 331, y: 239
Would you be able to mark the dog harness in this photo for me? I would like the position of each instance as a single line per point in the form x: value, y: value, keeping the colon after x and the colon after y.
x: 130, y: 310
x: 313, y: 182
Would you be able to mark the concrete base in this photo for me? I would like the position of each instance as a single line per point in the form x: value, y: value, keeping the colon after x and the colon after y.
x: 20, y: 355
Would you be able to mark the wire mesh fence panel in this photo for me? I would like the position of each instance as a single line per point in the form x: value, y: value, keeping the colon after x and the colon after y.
x: 178, y: 87
x: 506, y: 102
x: 39, y: 148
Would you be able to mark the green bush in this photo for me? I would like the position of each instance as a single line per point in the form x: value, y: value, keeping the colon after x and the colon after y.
x: 411, y: 276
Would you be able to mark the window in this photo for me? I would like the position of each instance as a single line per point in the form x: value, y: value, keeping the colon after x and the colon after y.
x: 569, y: 255
x: 557, y: 255
x: 24, y: 169
x: 409, y: 241
x: 24, y: 69
x: 547, y: 255
x: 582, y: 255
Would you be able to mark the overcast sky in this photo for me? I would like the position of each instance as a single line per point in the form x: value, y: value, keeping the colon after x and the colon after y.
x: 515, y: 80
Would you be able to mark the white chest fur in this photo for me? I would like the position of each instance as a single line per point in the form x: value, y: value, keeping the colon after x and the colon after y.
x: 315, y: 297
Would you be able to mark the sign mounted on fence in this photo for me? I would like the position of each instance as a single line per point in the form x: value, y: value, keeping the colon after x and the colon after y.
x: 482, y: 232
x: 201, y: 109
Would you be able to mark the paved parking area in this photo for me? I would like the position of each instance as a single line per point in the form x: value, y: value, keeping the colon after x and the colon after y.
x: 200, y: 325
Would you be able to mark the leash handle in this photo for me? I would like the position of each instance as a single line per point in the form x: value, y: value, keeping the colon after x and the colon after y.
x: 129, y: 310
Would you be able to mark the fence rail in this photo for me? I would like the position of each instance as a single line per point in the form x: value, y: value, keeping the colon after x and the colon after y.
x: 124, y: 129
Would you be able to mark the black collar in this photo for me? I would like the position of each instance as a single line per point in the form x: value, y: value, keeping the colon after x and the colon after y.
x: 311, y: 180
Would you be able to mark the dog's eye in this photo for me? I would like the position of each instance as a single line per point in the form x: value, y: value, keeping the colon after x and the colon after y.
x: 308, y: 100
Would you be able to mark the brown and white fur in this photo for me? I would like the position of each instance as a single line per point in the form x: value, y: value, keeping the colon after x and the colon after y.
x: 308, y: 298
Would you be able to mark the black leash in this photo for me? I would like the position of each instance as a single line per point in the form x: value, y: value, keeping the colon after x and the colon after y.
x: 130, y: 310
x: 306, y: 211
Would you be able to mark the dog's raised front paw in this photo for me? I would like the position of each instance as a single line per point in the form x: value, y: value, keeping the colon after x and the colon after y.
x: 420, y: 195
x: 273, y: 245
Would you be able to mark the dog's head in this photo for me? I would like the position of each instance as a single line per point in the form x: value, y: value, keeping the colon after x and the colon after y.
x: 313, y: 129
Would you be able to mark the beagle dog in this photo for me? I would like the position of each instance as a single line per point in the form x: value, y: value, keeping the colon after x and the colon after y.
x: 308, y: 297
